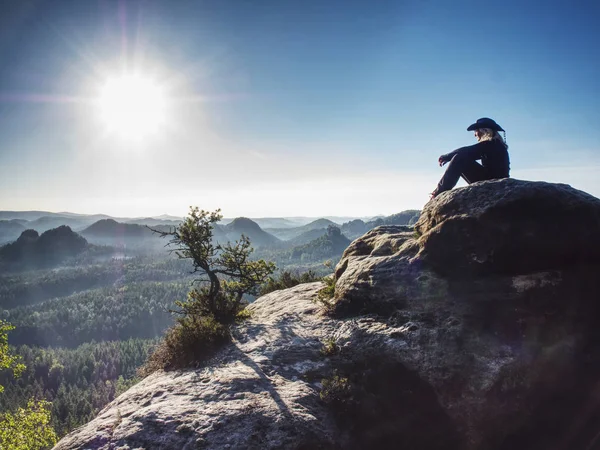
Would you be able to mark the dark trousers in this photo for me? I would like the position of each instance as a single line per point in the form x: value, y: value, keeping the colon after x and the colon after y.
x: 459, y: 166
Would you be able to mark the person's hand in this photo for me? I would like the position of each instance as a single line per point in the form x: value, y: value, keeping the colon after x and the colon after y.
x: 442, y: 160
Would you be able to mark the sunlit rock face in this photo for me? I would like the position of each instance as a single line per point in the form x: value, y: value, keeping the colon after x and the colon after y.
x: 477, y: 329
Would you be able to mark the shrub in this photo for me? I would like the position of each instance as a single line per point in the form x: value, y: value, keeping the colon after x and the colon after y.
x: 330, y: 347
x: 336, y: 390
x: 244, y: 314
x: 192, y: 339
x: 325, y: 294
x: 288, y: 279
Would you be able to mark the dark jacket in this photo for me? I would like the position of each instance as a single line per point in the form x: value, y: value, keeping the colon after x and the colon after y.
x: 493, y: 155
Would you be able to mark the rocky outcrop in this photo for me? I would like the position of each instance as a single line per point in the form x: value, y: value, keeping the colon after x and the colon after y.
x: 510, y: 226
x: 427, y: 346
x: 499, y: 304
x: 256, y: 394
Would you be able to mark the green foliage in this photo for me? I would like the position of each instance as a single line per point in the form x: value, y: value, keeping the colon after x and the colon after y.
x: 193, y: 339
x: 7, y: 360
x: 227, y: 274
x: 28, y: 428
x: 330, y: 347
x: 79, y: 382
x: 124, y: 385
x: 329, y: 290
x: 136, y: 310
x: 37, y: 286
x: 229, y: 271
x: 244, y: 314
x: 326, y: 294
x: 336, y: 390
x: 288, y: 279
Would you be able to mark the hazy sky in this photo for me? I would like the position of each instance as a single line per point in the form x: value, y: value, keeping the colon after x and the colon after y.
x: 275, y: 108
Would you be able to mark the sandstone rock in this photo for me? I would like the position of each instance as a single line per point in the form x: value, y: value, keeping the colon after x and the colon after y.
x: 483, y: 320
x: 417, y: 355
x: 510, y: 226
x: 254, y: 395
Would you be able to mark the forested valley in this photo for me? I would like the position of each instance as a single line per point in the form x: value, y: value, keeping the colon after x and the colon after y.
x: 83, y: 330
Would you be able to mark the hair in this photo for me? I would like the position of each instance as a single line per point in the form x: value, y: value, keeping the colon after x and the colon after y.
x: 487, y: 134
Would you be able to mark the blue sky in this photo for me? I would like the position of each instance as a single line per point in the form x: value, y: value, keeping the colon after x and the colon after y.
x: 290, y: 107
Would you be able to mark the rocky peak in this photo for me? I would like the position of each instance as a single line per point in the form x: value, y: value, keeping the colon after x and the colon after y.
x: 414, y: 354
x: 28, y: 236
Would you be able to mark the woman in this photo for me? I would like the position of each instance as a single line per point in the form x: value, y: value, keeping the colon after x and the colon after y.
x: 491, y: 149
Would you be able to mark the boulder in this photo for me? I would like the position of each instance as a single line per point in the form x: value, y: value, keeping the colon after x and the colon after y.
x: 413, y: 354
x: 509, y: 226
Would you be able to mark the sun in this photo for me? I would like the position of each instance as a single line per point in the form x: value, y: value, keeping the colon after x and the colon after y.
x: 132, y: 106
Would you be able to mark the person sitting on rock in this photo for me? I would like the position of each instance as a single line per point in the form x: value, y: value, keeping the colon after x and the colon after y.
x: 491, y: 149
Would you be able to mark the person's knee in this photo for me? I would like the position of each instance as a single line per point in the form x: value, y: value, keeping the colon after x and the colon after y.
x: 458, y: 160
x: 459, y: 157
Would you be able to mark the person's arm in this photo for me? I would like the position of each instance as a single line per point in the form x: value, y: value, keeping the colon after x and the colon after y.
x: 471, y: 152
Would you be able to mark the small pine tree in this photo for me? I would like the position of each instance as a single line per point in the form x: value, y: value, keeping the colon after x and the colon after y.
x: 226, y: 274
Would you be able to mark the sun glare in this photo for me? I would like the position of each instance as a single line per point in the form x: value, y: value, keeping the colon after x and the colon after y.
x: 132, y: 106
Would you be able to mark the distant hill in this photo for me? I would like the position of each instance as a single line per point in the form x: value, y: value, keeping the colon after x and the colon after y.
x: 44, y: 220
x: 275, y: 222
x: 111, y: 232
x: 46, y: 223
x: 249, y: 228
x: 357, y: 228
x: 26, y: 215
x: 35, y: 215
x: 91, y: 217
x: 408, y: 217
x: 118, y: 234
x: 110, y: 228
x: 10, y: 230
x: 319, y: 223
x: 287, y: 222
x: 307, y: 236
x: 168, y: 217
x: 331, y: 245
x: 151, y: 221
x: 287, y: 234
x: 51, y: 247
